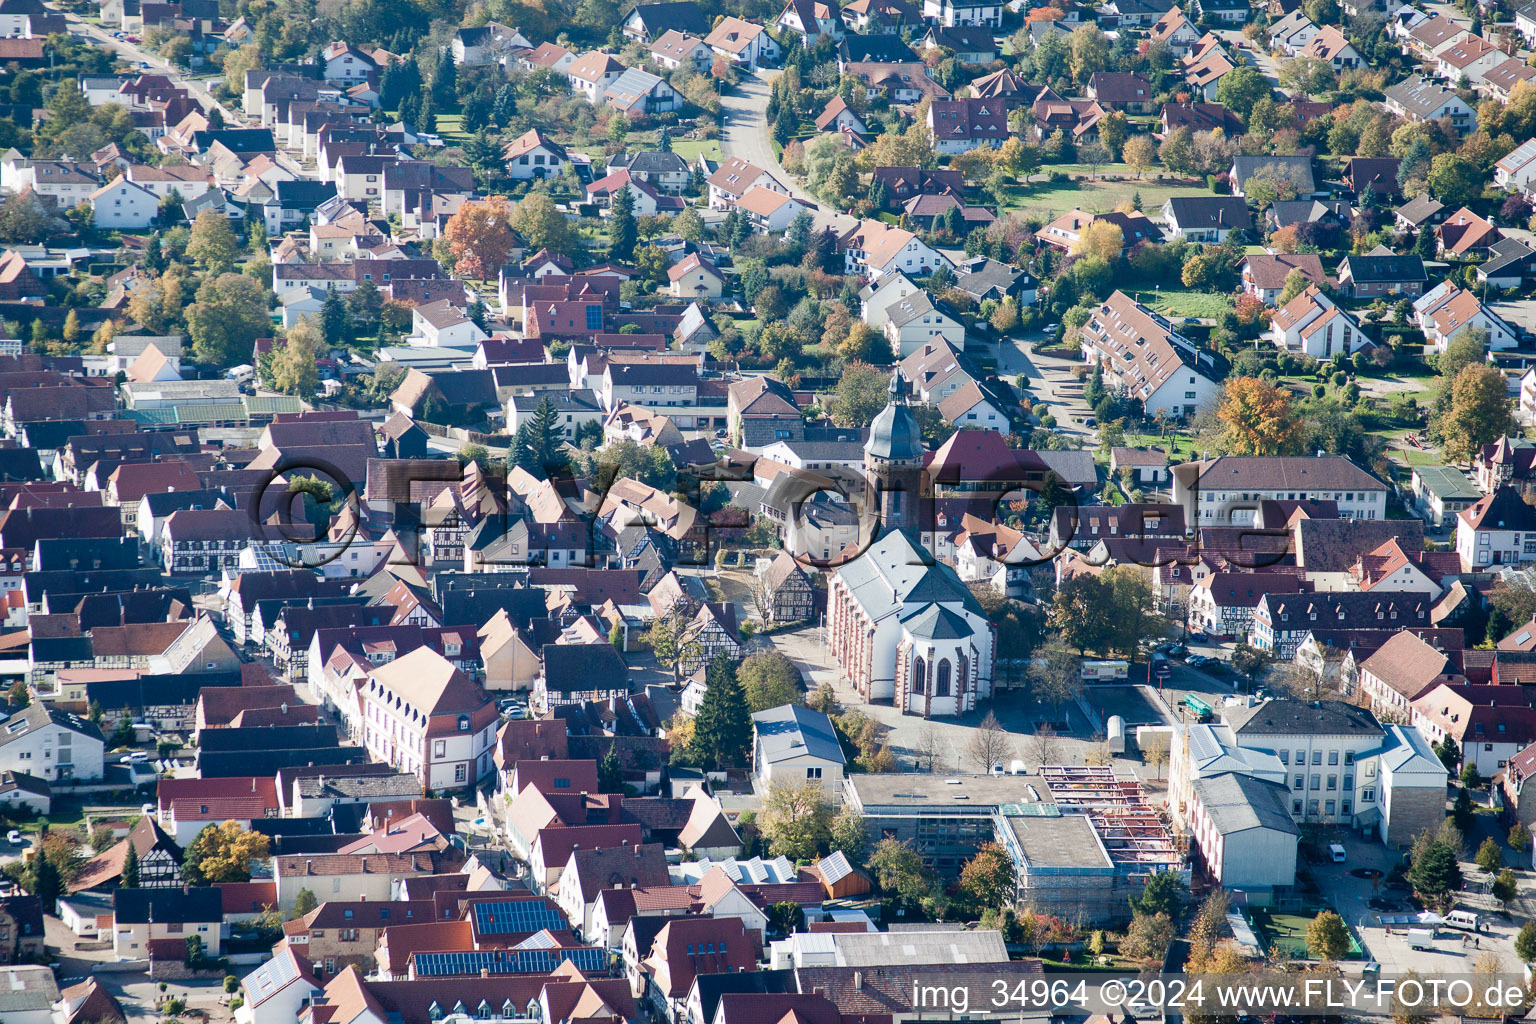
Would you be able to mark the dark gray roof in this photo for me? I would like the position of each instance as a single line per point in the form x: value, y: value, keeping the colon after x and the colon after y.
x: 882, y: 48
x: 1237, y: 803
x: 1417, y: 211
x: 1296, y: 169
x: 1386, y: 268
x: 791, y: 731
x: 651, y: 162
x: 1508, y: 255
x: 570, y: 667
x: 1286, y: 717
x: 167, y: 906
x: 1211, y: 212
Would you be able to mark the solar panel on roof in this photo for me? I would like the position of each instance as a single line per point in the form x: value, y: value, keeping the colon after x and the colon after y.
x: 506, y: 961
x: 517, y: 916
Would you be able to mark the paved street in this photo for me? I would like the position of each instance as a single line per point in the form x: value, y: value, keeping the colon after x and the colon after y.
x: 745, y: 135
x: 1252, y: 53
x: 157, y: 65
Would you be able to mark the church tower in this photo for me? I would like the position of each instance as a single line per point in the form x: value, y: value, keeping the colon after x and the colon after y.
x: 893, y: 463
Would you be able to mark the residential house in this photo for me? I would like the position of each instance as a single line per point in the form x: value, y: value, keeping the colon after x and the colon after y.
x: 1381, y: 274
x: 532, y: 156
x: 959, y: 126
x: 1143, y: 353
x: 1312, y: 324
x: 1420, y: 99
x: 1445, y: 311
x: 785, y: 589
x: 1264, y: 274
x: 1115, y: 90
x: 142, y: 918
x: 1497, y: 529
x: 743, y: 42
x: 422, y: 715
x: 1206, y: 218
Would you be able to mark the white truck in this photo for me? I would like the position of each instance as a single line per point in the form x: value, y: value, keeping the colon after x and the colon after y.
x: 1106, y: 671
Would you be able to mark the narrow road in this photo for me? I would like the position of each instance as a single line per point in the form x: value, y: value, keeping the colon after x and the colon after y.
x: 157, y: 64
x: 745, y: 135
x: 1254, y: 54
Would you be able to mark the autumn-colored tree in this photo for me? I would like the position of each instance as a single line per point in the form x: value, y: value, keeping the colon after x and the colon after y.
x: 543, y: 225
x: 480, y: 237
x: 223, y: 853
x: 1479, y: 412
x: 1140, y: 153
x: 294, y: 371
x: 988, y: 878
x: 1101, y: 239
x: 212, y: 245
x: 1259, y: 418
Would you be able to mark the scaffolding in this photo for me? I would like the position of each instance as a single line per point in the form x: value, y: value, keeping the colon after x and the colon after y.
x: 1133, y: 833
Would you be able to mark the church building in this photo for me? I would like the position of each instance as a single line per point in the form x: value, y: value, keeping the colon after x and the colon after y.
x: 903, y: 627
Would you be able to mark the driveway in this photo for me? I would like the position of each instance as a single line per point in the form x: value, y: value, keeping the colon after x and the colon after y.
x: 1249, y: 52
x: 746, y: 135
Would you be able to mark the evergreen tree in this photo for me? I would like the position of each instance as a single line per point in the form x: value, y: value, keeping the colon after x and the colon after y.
x: 722, y: 731
x: 445, y: 81
x: 477, y: 112
x: 44, y: 881
x: 664, y: 141
x: 545, y: 438
x: 154, y: 259
x: 621, y: 227
x: 335, y: 320
x: 610, y: 777
x: 131, y: 868
x: 1424, y: 245
x: 785, y: 125
x: 426, y: 115
x: 504, y: 108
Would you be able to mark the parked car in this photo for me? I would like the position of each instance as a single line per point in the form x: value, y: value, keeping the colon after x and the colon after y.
x: 13, y: 837
x: 1198, y: 638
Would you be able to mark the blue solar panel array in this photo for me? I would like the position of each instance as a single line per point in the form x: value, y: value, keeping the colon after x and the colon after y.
x: 507, y: 961
x: 514, y: 916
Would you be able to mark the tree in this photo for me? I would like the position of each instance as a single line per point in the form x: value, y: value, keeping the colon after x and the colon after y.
x: 622, y: 232
x: 795, y: 819
x: 293, y: 364
x: 989, y: 744
x: 850, y: 834
x: 1327, y: 937
x: 213, y: 246
x: 929, y: 749
x: 19, y: 695
x: 1479, y: 412
x: 1148, y: 936
x: 988, y: 878
x: 1101, y: 239
x: 1505, y: 887
x: 1055, y: 674
x: 1455, y: 181
x: 71, y: 331
x: 1240, y: 88
x: 1005, y: 318
x: 543, y: 225
x: 1295, y: 283
x: 335, y: 319
x: 43, y: 880
x: 1471, y: 778
x: 769, y: 679
x: 1520, y: 838
x: 223, y: 853
x: 229, y: 315
x: 723, y: 728
x: 1177, y: 150
x: 1090, y: 52
x: 1525, y: 942
x: 305, y: 902
x: 899, y: 871
x: 1163, y: 894
x: 131, y: 868
x: 480, y: 236
x: 862, y: 391
x: 610, y: 774
x: 1155, y: 751
x: 1140, y: 152
x: 1435, y: 871
x: 1259, y: 418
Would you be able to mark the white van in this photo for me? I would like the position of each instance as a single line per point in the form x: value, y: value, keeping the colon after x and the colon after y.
x: 1337, y: 852
x: 1465, y: 919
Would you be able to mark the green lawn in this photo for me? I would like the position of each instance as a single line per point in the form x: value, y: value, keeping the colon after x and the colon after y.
x: 451, y: 127
x: 1095, y: 196
x: 1181, y: 302
x: 691, y: 149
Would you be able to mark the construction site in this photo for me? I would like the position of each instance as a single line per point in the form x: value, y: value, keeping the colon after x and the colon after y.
x: 1081, y: 852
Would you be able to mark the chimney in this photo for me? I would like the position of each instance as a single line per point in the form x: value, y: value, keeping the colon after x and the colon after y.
x: 485, y: 973
x: 858, y: 981
x: 309, y: 867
